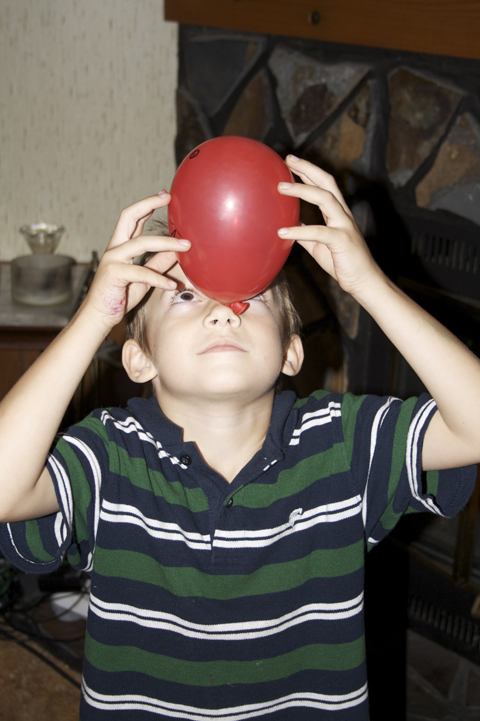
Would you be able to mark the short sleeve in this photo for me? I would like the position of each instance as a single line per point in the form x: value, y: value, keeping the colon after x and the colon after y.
x: 78, y: 464
x: 384, y: 439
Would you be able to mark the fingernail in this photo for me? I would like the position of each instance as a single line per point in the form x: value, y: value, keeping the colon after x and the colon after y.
x: 162, y: 193
x: 172, y: 284
x: 293, y: 158
x: 284, y: 186
x: 282, y: 231
x: 183, y: 241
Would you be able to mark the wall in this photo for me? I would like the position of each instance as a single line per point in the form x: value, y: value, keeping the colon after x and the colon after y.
x: 87, y: 121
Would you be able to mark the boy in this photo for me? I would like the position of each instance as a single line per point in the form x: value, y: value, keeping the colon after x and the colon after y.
x: 225, y: 527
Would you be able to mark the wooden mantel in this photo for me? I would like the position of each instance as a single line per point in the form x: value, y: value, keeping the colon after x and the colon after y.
x: 439, y: 27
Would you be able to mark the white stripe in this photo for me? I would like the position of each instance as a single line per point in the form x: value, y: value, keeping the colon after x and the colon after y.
x: 97, y: 480
x: 377, y: 424
x: 59, y: 528
x: 298, y: 514
x: 242, y: 541
x: 414, y: 433
x: 20, y: 555
x: 65, y: 492
x: 131, y: 425
x: 240, y: 631
x: 123, y: 513
x: 124, y: 702
x: 314, y: 419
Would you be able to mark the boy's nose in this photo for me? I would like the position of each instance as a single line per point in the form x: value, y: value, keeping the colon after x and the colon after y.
x: 222, y: 315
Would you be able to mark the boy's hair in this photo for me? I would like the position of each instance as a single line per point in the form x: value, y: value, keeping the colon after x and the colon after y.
x: 290, y: 323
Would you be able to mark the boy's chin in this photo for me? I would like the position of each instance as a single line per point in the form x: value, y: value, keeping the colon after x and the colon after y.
x: 224, y: 388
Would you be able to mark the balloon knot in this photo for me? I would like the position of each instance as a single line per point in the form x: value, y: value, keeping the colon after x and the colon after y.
x: 239, y: 307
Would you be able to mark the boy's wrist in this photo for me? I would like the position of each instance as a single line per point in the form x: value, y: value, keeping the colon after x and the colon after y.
x: 94, y: 324
x: 368, y: 294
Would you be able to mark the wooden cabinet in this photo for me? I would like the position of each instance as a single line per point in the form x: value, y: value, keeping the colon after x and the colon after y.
x: 439, y: 27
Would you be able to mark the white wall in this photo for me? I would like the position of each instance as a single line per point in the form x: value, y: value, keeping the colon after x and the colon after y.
x: 87, y: 115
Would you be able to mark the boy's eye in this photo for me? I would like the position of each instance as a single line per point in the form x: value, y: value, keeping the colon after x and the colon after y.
x: 184, y: 296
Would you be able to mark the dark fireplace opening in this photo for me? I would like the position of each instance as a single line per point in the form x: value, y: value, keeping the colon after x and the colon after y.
x: 401, y: 133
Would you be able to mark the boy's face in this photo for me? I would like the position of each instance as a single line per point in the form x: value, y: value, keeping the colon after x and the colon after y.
x: 199, y: 348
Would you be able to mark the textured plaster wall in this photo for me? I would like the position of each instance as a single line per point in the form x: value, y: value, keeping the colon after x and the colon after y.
x: 87, y: 115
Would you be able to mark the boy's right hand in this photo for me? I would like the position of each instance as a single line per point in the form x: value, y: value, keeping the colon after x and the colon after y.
x: 119, y: 284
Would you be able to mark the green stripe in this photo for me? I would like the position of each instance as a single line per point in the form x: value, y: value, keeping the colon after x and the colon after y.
x: 400, y: 443
x: 300, y: 402
x: 350, y: 408
x: 390, y: 518
x: 95, y: 425
x: 433, y: 479
x: 135, y: 469
x: 74, y: 558
x: 34, y: 541
x: 141, y: 476
x: 190, y: 582
x: 325, y: 657
x: 306, y: 473
x: 82, y: 495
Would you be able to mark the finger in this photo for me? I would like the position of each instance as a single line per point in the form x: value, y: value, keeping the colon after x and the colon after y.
x: 135, y: 217
x: 311, y: 174
x: 162, y: 262
x: 131, y: 249
x: 334, y: 212
x: 316, y: 233
x: 125, y: 275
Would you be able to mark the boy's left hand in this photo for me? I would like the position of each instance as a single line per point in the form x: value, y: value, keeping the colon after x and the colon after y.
x: 338, y: 246
x: 447, y: 369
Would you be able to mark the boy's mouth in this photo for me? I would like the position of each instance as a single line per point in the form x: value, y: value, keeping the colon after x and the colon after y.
x: 222, y: 345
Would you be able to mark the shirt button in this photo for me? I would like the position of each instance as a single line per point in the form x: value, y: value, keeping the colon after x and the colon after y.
x: 185, y: 460
x: 229, y: 503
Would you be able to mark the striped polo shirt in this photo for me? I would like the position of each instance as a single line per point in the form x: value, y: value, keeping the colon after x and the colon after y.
x: 233, y: 601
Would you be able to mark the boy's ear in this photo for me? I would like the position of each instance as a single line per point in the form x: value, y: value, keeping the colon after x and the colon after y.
x: 137, y: 364
x: 293, y: 358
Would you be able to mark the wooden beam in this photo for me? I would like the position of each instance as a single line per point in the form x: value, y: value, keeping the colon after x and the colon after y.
x: 439, y: 27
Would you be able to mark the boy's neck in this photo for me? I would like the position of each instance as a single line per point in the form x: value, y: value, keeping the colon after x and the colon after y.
x: 226, y: 433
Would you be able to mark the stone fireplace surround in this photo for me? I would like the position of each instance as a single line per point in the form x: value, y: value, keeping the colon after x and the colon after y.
x: 401, y: 133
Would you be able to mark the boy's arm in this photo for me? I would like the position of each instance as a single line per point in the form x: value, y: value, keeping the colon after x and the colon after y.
x: 31, y: 413
x: 449, y: 371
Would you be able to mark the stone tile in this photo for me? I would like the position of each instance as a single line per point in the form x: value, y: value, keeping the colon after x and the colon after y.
x: 433, y: 662
x: 308, y: 91
x: 347, y: 144
x: 216, y: 66
x: 453, y: 182
x: 473, y: 689
x: 422, y: 702
x: 420, y: 109
x: 252, y: 114
x: 441, y: 685
x: 193, y: 127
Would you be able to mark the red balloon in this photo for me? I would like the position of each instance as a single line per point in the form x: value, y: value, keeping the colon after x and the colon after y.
x: 225, y: 201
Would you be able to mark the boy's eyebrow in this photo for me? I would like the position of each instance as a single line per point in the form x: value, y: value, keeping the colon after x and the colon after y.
x: 184, y: 289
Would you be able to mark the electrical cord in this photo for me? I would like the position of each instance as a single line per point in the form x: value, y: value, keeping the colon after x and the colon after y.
x: 6, y: 636
x: 39, y: 635
x: 18, y: 625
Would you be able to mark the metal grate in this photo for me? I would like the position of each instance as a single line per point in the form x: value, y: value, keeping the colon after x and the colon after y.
x: 453, y: 630
x: 447, y: 252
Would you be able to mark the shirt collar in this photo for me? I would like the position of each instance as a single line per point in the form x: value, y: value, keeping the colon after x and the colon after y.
x: 152, y: 418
